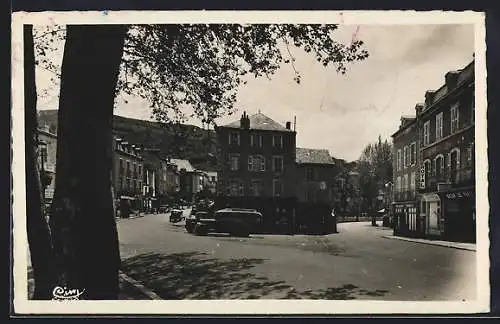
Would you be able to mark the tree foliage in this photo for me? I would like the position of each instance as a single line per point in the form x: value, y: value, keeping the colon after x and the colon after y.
x: 375, y: 166
x: 202, y: 66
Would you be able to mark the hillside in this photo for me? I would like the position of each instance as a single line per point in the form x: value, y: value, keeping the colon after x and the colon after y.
x: 177, y: 141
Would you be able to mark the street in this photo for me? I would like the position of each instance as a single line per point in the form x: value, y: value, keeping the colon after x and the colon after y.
x: 356, y: 263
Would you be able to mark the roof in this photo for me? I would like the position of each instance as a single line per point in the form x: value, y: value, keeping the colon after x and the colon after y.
x: 313, y: 156
x: 261, y: 122
x: 182, y: 164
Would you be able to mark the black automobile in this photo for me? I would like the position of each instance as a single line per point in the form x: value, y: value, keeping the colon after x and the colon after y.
x: 239, y: 222
x: 202, y: 209
x: 176, y: 215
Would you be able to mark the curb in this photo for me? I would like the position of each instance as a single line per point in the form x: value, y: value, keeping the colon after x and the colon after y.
x: 137, y: 285
x: 447, y: 245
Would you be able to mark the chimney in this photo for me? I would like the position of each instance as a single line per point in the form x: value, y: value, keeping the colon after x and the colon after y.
x: 451, y: 79
x: 245, y: 121
x: 429, y: 96
x: 288, y: 125
x: 418, y: 108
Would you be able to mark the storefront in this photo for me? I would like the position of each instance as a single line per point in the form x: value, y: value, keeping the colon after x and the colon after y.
x: 406, y: 220
x: 431, y: 216
x: 459, y: 214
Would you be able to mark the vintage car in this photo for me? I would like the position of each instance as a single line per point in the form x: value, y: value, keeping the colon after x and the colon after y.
x: 176, y: 215
x: 235, y: 221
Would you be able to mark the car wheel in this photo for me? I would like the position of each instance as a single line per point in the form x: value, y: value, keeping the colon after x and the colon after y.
x: 189, y: 228
x: 200, y: 230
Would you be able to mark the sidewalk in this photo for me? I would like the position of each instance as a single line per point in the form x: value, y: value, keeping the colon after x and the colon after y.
x: 454, y: 245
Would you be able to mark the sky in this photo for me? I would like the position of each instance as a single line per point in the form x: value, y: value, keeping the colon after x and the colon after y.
x: 342, y: 113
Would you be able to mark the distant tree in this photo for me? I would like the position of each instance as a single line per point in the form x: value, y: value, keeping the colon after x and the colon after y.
x: 171, y: 66
x: 375, y: 167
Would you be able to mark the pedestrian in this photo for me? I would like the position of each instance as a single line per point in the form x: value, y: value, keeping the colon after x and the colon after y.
x: 334, y: 220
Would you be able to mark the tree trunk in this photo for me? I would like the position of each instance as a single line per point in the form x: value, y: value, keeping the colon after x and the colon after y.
x: 37, y: 227
x: 83, y: 221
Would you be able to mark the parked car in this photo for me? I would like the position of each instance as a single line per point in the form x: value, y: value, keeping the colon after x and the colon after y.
x: 176, y: 215
x: 239, y: 222
x: 202, y: 209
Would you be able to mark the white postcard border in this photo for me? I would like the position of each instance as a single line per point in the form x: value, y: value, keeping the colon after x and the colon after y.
x: 24, y: 306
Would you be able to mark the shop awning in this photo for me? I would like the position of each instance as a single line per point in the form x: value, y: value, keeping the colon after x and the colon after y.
x: 430, y: 197
x: 381, y: 211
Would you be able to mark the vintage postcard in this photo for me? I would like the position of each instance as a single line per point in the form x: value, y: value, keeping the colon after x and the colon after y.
x: 261, y: 162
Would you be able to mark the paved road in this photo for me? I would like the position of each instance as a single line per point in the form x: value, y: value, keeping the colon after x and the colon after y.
x: 357, y: 263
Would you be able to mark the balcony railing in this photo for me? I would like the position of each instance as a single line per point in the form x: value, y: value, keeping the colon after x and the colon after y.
x: 404, y: 195
x: 459, y: 177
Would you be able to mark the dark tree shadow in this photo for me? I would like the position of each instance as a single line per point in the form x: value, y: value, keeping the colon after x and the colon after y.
x: 344, y: 292
x: 196, y: 275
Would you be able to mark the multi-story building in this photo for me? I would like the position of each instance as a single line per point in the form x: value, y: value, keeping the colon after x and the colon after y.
x: 447, y: 175
x: 256, y: 157
x: 47, y: 148
x: 315, y: 176
x: 128, y: 169
x: 173, y: 185
x: 188, y: 180
x: 211, y: 181
x: 405, y: 175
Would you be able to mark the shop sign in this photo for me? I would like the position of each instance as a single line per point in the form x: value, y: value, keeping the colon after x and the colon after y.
x: 459, y: 194
x: 422, y: 177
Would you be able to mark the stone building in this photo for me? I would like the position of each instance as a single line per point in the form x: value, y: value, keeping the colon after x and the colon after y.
x: 405, y: 175
x: 256, y: 158
x: 315, y: 176
x: 447, y: 151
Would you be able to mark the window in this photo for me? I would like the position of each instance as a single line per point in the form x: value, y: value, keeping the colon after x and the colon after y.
x: 439, y: 166
x: 310, y: 174
x: 128, y: 168
x: 413, y: 153
x: 405, y: 182
x: 398, y: 165
x: 278, y: 141
x: 256, y: 163
x: 454, y: 118
x: 234, y: 138
x: 140, y: 172
x: 236, y: 188
x: 256, y: 188
x: 234, y: 162
x: 405, y: 157
x: 255, y: 140
x: 427, y: 126
x: 277, y: 188
x: 470, y: 156
x: 398, y: 184
x: 439, y: 126
x: 454, y: 164
x: 278, y: 164
x: 120, y: 167
x: 427, y: 172
x: 412, y: 180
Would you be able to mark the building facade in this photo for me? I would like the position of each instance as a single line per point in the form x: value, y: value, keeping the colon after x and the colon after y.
x: 187, y: 179
x: 128, y: 169
x: 405, y: 175
x: 47, y: 148
x: 315, y: 176
x: 447, y: 155
x: 256, y: 157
